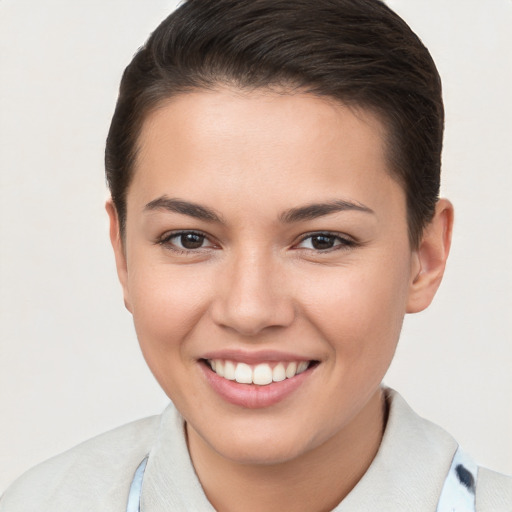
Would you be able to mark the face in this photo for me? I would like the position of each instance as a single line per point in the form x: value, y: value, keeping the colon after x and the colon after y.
x: 267, y: 266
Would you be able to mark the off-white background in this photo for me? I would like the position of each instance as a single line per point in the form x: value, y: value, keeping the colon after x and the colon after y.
x: 70, y: 366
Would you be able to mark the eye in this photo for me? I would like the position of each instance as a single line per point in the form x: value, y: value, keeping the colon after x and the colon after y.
x: 324, y: 242
x: 185, y: 241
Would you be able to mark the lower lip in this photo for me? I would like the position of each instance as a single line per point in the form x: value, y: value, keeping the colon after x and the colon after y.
x: 252, y: 396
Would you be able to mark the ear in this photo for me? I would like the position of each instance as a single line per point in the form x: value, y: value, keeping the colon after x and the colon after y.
x: 119, y: 252
x: 430, y: 258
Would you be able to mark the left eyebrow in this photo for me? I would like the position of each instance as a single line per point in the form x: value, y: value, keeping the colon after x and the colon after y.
x: 315, y: 210
x: 185, y: 208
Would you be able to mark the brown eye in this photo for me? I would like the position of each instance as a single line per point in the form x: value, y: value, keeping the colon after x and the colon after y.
x: 190, y: 240
x: 322, y: 242
x: 184, y: 241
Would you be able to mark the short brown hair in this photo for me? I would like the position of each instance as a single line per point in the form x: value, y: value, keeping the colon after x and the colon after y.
x: 358, y: 52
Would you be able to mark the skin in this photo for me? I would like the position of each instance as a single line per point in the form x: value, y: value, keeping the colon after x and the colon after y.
x: 258, y: 283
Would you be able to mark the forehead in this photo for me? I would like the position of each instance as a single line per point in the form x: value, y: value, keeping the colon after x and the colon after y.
x: 228, y: 143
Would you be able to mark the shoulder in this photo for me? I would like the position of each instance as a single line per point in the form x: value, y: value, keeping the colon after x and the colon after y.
x: 493, y: 491
x: 421, y: 453
x: 93, y: 475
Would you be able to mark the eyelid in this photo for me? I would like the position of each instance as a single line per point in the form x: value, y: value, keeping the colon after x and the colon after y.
x: 165, y: 240
x: 346, y: 241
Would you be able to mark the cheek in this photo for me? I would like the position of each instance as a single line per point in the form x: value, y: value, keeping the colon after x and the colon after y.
x: 359, y: 312
x: 167, y: 304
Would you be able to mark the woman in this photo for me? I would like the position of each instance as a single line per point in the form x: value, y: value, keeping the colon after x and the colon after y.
x: 274, y: 171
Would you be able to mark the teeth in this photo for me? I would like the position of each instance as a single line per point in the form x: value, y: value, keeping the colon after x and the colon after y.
x: 229, y: 370
x: 279, y: 373
x: 243, y: 373
x: 291, y: 370
x: 261, y: 375
x: 219, y: 367
x: 303, y: 365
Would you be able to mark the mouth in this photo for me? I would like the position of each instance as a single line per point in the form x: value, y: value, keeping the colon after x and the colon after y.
x: 261, y: 374
x: 255, y: 380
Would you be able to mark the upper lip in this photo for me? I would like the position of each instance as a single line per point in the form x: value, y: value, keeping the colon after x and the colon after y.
x: 255, y: 357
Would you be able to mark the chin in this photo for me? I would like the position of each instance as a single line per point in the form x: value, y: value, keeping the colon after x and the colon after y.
x: 260, y: 445
x: 266, y: 454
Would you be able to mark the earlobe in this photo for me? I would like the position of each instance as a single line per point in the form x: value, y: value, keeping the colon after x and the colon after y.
x: 119, y: 250
x: 430, y: 258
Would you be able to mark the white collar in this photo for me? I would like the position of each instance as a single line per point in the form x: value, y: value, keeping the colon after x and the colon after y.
x: 407, y: 473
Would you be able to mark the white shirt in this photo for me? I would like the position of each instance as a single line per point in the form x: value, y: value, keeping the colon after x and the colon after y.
x: 407, y: 474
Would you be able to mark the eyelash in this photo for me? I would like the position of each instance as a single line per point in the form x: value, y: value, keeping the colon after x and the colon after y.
x: 341, y: 242
x: 166, y: 241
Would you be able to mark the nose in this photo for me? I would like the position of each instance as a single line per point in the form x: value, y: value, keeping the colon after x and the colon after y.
x: 252, y: 295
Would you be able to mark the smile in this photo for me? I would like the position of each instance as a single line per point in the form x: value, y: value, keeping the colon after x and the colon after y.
x: 256, y: 380
x: 260, y: 374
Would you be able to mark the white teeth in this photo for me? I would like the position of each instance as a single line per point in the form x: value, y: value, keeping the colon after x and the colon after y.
x: 219, y: 367
x: 260, y: 375
x: 243, y: 373
x: 291, y: 370
x: 279, y: 373
x: 229, y: 370
x: 303, y: 365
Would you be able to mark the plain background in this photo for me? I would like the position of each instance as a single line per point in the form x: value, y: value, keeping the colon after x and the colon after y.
x: 70, y: 366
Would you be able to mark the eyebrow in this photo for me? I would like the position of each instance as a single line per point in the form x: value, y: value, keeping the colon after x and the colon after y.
x: 185, y: 208
x: 301, y: 213
x: 315, y: 210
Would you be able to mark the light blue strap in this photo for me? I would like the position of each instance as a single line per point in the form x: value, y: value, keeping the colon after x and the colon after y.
x: 136, y: 488
x: 458, y: 494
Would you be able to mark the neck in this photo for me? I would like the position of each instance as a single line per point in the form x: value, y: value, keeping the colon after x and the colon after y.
x: 315, y: 481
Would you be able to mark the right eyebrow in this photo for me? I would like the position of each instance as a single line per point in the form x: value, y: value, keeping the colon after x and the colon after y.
x: 185, y: 208
x: 315, y: 210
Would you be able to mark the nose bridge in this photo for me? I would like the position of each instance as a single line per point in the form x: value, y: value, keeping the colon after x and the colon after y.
x: 253, y: 296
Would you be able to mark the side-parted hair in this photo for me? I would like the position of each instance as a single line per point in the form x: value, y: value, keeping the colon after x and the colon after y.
x: 358, y: 52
